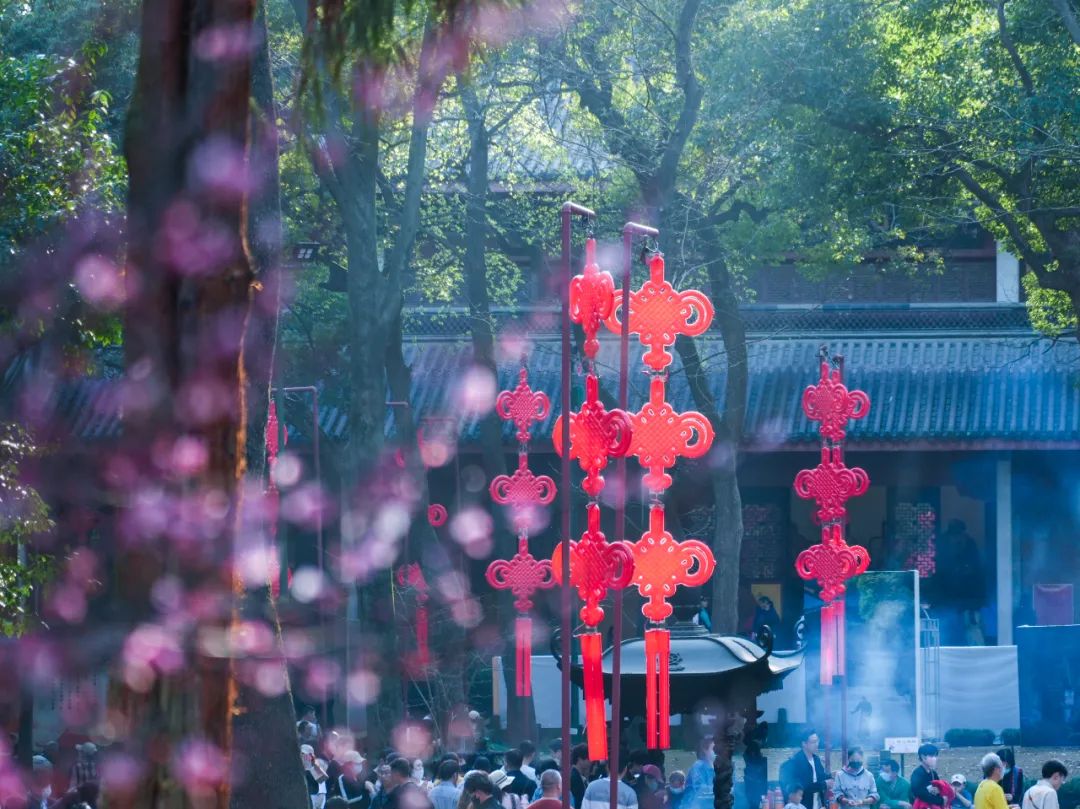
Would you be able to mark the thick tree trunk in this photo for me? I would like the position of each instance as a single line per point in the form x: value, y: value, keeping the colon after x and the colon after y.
x: 185, y: 322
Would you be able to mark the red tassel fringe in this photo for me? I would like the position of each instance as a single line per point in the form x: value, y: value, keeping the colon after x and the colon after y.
x: 657, y: 689
x: 423, y: 653
x: 595, y: 721
x: 833, y: 641
x: 523, y: 650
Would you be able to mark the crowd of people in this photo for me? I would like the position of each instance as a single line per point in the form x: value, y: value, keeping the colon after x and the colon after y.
x: 807, y: 784
x: 514, y: 779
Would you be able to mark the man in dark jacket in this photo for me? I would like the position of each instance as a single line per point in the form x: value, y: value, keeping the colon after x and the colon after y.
x: 805, y: 769
x: 520, y: 784
x: 923, y: 777
x: 579, y: 773
x: 404, y: 793
x: 481, y: 790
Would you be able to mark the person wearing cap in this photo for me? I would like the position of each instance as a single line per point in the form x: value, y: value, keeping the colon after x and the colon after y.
x: 923, y: 777
x: 503, y: 781
x: 314, y: 776
x: 894, y: 789
x: 652, y: 788
x: 990, y: 795
x: 350, y: 783
x: 962, y: 799
x: 84, y: 770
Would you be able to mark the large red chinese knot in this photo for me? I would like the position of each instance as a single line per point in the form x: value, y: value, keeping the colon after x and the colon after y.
x: 592, y: 299
x: 831, y: 484
x: 830, y: 403
x: 412, y: 577
x: 596, y: 566
x: 659, y: 314
x: 660, y: 435
x: 522, y: 575
x: 832, y: 562
x: 596, y: 434
x: 522, y: 405
x: 661, y: 565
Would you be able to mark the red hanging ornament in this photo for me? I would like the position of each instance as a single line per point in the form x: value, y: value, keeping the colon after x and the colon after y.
x: 596, y: 434
x: 412, y: 577
x: 522, y: 575
x: 660, y: 435
x: 592, y: 299
x: 832, y: 404
x: 661, y: 565
x: 273, y: 496
x: 831, y: 484
x: 524, y: 492
x: 436, y: 515
x: 522, y: 405
x: 658, y: 314
x: 596, y: 566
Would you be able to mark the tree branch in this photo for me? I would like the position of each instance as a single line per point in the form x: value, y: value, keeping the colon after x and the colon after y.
x: 1068, y: 16
x: 1014, y: 54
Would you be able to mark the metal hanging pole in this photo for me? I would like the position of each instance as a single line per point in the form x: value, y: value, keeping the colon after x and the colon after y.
x: 569, y: 210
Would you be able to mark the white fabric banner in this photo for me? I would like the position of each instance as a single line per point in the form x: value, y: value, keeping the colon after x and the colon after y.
x: 980, y: 688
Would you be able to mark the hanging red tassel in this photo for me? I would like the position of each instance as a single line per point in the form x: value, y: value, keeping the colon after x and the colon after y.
x: 523, y: 647
x: 840, y: 620
x: 423, y: 653
x: 832, y: 641
x: 657, y: 689
x: 595, y: 721
x: 663, y: 653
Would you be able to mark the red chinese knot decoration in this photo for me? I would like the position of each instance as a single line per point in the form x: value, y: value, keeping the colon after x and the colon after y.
x: 833, y: 562
x: 596, y: 434
x: 524, y: 493
x: 658, y: 314
x: 592, y: 299
x: 660, y: 435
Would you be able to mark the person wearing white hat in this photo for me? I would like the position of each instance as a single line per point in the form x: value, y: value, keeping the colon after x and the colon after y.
x: 962, y: 799
x: 314, y: 775
x: 351, y: 785
x: 84, y: 770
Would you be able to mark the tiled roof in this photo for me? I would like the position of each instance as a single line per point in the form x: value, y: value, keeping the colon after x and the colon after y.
x: 1006, y: 389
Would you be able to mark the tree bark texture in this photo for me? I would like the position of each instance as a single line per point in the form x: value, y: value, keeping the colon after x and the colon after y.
x: 185, y: 322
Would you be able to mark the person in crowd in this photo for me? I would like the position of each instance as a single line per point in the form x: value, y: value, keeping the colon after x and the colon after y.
x: 337, y: 802
x: 1044, y: 795
x: 479, y: 790
x: 598, y: 793
x: 314, y: 775
x: 676, y: 788
x: 855, y: 786
x: 483, y: 764
x: 1012, y: 779
x: 404, y: 792
x: 556, y: 749
x: 445, y: 793
x: 755, y: 774
x: 990, y: 795
x: 519, y: 783
x: 507, y: 799
x: 962, y: 798
x: 542, y: 766
x: 805, y: 769
x: 580, y: 765
x: 765, y: 615
x: 700, y: 777
x: 637, y: 759
x: 793, y: 795
x: 894, y: 789
x: 923, y: 777
x: 39, y: 794
x: 419, y: 775
x: 528, y: 755
x: 350, y: 783
x: 652, y: 789
x: 550, y: 791
x: 84, y: 770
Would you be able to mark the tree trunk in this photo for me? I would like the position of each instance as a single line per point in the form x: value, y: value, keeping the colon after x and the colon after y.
x: 185, y: 322
x: 265, y: 723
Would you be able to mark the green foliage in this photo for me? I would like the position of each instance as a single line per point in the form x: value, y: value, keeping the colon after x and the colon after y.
x: 1069, y: 794
x: 969, y: 737
x: 23, y: 514
x: 1010, y: 737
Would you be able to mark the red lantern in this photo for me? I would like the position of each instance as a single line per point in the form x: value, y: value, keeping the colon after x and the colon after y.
x: 832, y: 562
x: 524, y: 493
